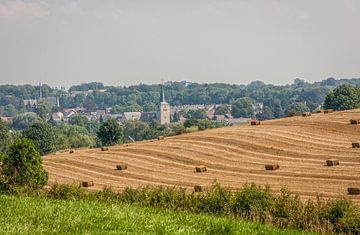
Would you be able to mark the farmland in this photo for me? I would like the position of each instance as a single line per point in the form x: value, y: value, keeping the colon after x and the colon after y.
x: 233, y: 156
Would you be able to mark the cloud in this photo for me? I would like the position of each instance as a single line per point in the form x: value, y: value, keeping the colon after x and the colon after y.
x: 22, y: 11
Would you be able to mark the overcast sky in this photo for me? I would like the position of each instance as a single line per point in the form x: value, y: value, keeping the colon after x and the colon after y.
x: 122, y: 42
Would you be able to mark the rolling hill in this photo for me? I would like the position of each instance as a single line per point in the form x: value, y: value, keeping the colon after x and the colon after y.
x: 233, y: 156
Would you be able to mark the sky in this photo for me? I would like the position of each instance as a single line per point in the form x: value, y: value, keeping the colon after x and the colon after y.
x: 124, y: 42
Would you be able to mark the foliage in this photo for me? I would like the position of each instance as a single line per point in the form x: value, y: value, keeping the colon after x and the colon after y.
x: 5, y: 136
x: 296, y: 109
x: 22, y: 166
x: 195, y: 114
x: 43, y: 108
x: 110, y: 132
x: 242, y: 107
x: 342, y: 98
x: 73, y: 136
x: 277, y: 98
x: 25, y: 120
x: 251, y: 202
x: 137, y: 130
x: 81, y: 120
x: 37, y: 215
x: 222, y: 110
x: 43, y: 136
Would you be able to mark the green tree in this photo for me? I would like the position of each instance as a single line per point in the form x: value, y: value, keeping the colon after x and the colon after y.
x: 195, y: 114
x: 110, y: 132
x: 43, y: 136
x: 22, y: 166
x: 222, y: 110
x: 23, y: 121
x: 242, y: 107
x: 296, y: 109
x: 176, y: 117
x: 43, y: 108
x: 136, y: 130
x: 266, y: 114
x: 5, y: 136
x: 342, y: 98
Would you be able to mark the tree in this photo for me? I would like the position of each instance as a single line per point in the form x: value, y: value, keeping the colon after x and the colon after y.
x: 110, y: 132
x: 176, y: 117
x: 43, y: 108
x: 5, y: 136
x: 296, y: 109
x: 266, y: 114
x: 43, y: 136
x: 22, y: 166
x: 136, y: 130
x: 342, y: 98
x: 222, y: 110
x: 23, y: 121
x: 242, y: 107
x: 195, y: 114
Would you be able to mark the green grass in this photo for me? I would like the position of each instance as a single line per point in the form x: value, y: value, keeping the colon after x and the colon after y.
x: 38, y: 215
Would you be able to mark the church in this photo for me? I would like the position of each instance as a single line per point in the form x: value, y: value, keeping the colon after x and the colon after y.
x: 162, y: 115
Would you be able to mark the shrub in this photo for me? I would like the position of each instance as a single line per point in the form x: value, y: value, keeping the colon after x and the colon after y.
x: 22, y: 166
x: 252, y: 200
x: 65, y: 191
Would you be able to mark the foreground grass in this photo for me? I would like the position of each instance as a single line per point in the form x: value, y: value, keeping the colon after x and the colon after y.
x: 36, y: 215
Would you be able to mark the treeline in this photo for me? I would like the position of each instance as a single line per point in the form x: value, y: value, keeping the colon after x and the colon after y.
x: 49, y: 137
x: 278, y: 101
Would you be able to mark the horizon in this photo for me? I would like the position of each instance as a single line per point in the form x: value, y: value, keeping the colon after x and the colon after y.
x: 208, y: 41
x: 152, y: 84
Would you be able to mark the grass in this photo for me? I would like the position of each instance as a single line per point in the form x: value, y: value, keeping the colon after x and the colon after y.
x: 40, y: 215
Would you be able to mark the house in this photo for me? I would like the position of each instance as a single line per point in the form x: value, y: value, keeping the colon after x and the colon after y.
x: 57, y: 117
x: 130, y: 116
x: 149, y: 116
x: 6, y: 119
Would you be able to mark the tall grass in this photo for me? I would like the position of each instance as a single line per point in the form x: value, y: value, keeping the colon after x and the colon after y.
x: 40, y: 215
x: 252, y: 202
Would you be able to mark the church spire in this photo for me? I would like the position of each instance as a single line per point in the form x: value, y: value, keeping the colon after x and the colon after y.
x: 162, y: 95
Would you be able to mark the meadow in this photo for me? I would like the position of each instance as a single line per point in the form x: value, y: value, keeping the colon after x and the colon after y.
x: 40, y: 215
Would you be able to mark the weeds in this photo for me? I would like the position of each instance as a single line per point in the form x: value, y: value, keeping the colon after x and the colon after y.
x: 252, y: 202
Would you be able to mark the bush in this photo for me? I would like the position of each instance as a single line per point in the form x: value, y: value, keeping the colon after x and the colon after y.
x: 253, y: 200
x: 22, y: 166
x: 68, y: 192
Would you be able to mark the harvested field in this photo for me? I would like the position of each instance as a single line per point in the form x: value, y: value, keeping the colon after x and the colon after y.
x: 235, y: 155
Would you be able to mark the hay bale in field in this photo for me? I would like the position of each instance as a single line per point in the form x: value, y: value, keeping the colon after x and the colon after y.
x: 161, y: 137
x: 200, y: 169
x: 255, y: 122
x: 328, y: 111
x: 71, y: 151
x: 332, y: 162
x: 354, y: 121
x: 198, y: 188
x: 355, y: 145
x: 104, y: 148
x: 306, y: 114
x: 121, y: 167
x: 271, y: 167
x: 353, y: 191
x: 87, y: 183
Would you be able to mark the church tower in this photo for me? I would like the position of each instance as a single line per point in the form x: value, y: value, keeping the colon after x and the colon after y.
x: 164, y: 109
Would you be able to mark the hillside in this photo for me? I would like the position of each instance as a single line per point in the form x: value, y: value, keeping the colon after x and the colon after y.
x: 233, y: 155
